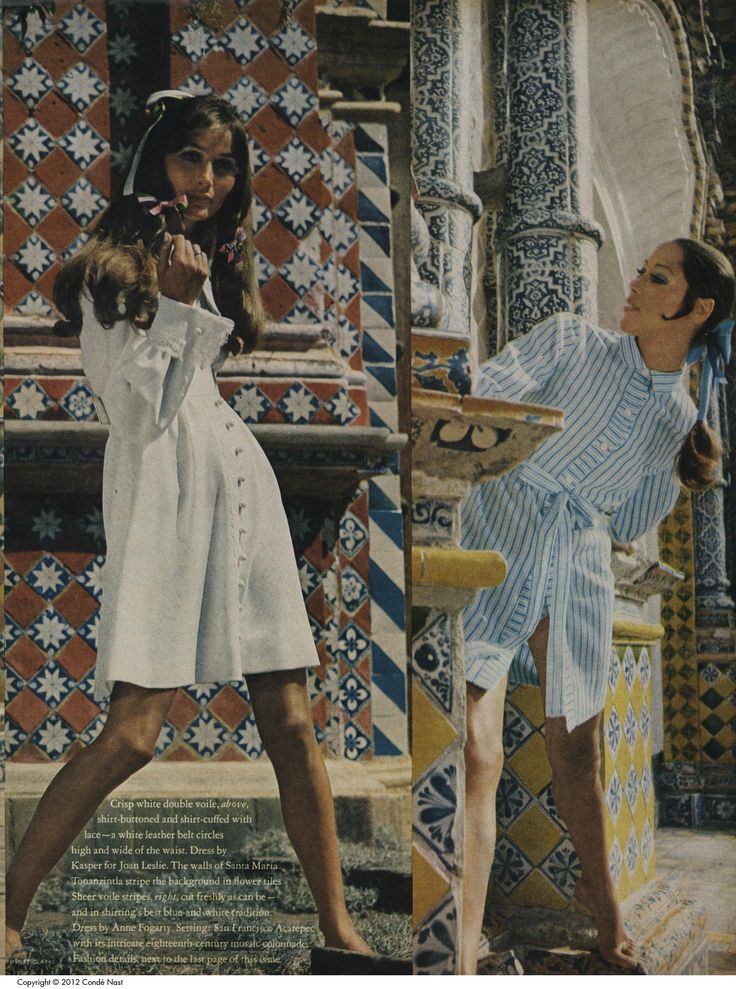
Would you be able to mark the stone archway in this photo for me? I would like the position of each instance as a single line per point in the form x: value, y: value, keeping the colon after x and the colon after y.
x: 648, y: 162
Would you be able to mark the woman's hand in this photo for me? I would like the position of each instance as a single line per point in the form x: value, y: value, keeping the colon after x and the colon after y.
x: 182, y: 269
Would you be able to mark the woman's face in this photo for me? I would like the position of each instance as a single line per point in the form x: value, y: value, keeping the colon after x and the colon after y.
x: 205, y: 171
x: 657, y: 291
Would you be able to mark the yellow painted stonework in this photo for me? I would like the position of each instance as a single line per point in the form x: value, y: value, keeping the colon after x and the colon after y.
x: 450, y: 567
x: 630, y: 632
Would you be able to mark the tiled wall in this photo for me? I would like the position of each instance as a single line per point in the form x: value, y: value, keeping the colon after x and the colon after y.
x: 535, y: 862
x: 323, y: 240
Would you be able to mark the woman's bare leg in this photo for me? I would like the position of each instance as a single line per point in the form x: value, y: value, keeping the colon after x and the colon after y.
x: 284, y: 718
x: 125, y: 744
x: 483, y: 765
x: 575, y: 759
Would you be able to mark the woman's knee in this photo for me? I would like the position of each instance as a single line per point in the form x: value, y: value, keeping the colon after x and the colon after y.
x: 484, y: 755
x: 290, y: 741
x: 127, y: 750
x: 574, y: 755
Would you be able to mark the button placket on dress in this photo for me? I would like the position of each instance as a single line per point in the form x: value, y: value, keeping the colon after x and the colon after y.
x: 236, y: 489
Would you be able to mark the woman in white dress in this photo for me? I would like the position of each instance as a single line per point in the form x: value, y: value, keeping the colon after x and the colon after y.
x: 200, y: 581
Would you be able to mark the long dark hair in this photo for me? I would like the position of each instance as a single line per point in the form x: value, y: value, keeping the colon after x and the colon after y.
x: 118, y: 263
x: 709, y: 275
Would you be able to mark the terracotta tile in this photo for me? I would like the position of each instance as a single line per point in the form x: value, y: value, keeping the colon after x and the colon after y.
x: 359, y: 507
x: 230, y: 11
x: 317, y: 606
x: 349, y: 203
x: 221, y: 70
x: 179, y: 14
x: 75, y: 604
x: 13, y: 54
x: 319, y: 712
x: 269, y: 70
x: 272, y: 185
x: 58, y: 229
x: 264, y: 14
x: 21, y: 561
x: 17, y: 286
x: 16, y: 230
x: 27, y: 710
x: 29, y: 753
x: 96, y: 56
x: 273, y: 390
x: 56, y: 55
x: 304, y: 13
x: 23, y: 604
x: 345, y: 147
x: 181, y: 753
x: 25, y: 657
x: 270, y: 130
x: 14, y: 113
x: 76, y: 562
x: 78, y: 710
x: 230, y: 753
x: 55, y: 114
x: 99, y: 116
x: 272, y: 416
x: 77, y: 657
x: 54, y: 387
x: 57, y: 172
x: 306, y: 70
x: 352, y: 311
x: 183, y: 710
x: 278, y: 297
x: 317, y: 190
x: 275, y: 243
x: 14, y: 171
x: 362, y: 617
x: 180, y: 67
x: 351, y: 260
x: 73, y: 749
x: 45, y: 284
x: 229, y: 706
x: 312, y: 132
x: 364, y: 720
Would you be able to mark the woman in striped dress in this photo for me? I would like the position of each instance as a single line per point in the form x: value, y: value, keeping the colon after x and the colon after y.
x: 632, y: 436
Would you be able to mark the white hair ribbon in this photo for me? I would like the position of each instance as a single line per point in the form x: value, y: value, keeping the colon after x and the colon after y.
x: 153, y: 99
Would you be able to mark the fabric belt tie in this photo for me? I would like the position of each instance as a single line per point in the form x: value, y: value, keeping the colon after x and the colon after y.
x: 567, y: 512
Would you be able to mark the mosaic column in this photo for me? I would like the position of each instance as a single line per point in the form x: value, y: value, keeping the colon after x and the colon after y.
x: 547, y: 240
x: 445, y: 48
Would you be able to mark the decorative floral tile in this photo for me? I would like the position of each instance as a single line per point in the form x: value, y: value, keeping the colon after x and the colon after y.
x: 435, y: 807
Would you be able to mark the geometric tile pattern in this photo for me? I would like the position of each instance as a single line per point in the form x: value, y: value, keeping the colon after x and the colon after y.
x: 55, y: 556
x: 56, y: 130
x: 717, y: 712
x: 680, y: 683
x: 535, y: 863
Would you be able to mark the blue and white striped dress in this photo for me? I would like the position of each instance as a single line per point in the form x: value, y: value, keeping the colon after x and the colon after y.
x: 609, y: 473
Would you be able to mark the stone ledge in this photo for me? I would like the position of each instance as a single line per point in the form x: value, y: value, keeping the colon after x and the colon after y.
x: 627, y: 631
x: 441, y: 566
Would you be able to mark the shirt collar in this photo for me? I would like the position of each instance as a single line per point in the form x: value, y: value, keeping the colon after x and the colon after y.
x: 661, y: 381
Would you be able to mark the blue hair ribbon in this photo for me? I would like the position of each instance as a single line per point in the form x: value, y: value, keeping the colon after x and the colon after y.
x: 717, y: 347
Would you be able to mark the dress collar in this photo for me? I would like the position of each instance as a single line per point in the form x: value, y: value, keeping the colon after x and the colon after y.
x: 661, y: 381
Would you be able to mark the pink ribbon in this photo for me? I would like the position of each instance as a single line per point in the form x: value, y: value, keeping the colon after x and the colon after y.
x: 180, y: 203
x: 234, y: 249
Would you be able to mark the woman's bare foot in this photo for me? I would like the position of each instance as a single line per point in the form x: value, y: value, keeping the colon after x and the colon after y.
x: 614, y: 944
x: 346, y: 938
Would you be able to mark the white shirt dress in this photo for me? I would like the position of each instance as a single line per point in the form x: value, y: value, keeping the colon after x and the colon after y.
x: 200, y: 583
x: 609, y: 474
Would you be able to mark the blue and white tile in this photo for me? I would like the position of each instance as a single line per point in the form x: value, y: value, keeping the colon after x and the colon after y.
x: 511, y: 799
x: 614, y: 795
x: 50, y: 631
x: 197, y: 85
x: 247, y: 97
x: 298, y: 404
x: 510, y: 865
x: 616, y: 861
x: 30, y: 82
x: 47, y: 524
x: 632, y: 853
x: 53, y: 736
x: 301, y: 271
x: 35, y: 30
x: 613, y: 733
x: 78, y: 403
x: 298, y: 213
x: 294, y: 100
x: 432, y: 656
x: 81, y: 86
x: 435, y: 941
x: 631, y: 788
x: 516, y: 728
x: 48, y: 577
x: 196, y: 40
x: 83, y: 144
x: 81, y: 27
x: 629, y: 667
x: 293, y: 43
x: 243, y: 41
x: 352, y: 534
x: 31, y: 143
x: 205, y: 735
x: 435, y: 809
x: 246, y: 737
x: 356, y: 743
x: 91, y: 577
x: 342, y: 408
x: 34, y: 257
x: 296, y: 160
x: 12, y: 633
x: 352, y: 644
x: 33, y: 304
x: 90, y: 629
x: 353, y: 590
x: 563, y: 868
x: 51, y: 683
x: 83, y: 202
x: 250, y: 403
x: 354, y: 693
x: 631, y: 727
